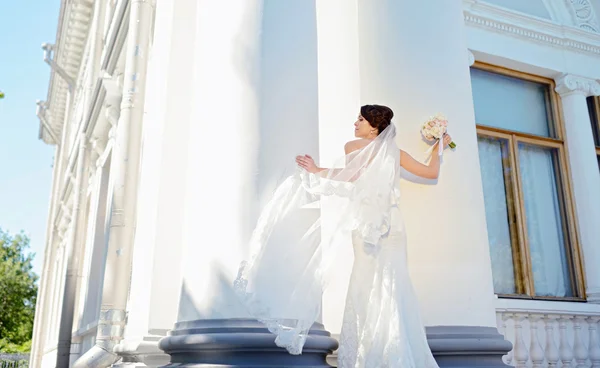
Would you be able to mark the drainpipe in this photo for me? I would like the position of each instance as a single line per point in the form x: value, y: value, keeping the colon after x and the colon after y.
x: 124, y: 171
x: 66, y: 318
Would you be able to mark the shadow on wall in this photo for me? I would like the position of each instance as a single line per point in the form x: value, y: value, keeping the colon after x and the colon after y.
x: 222, y: 301
x: 212, y: 296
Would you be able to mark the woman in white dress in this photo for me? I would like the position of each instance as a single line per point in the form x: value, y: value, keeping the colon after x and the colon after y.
x: 381, y: 325
x: 292, y: 255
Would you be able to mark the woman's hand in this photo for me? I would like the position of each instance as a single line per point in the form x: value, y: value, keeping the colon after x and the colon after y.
x: 307, y: 163
x: 447, y: 140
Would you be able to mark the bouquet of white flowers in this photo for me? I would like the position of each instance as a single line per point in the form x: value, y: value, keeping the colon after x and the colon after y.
x: 434, y: 130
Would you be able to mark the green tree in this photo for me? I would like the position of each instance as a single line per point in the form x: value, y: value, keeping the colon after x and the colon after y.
x: 18, y: 292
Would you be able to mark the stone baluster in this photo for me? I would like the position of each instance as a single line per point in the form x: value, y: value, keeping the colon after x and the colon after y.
x: 565, y: 350
x: 535, y: 348
x: 594, y: 346
x: 551, y: 350
x: 579, y: 349
x: 508, y: 358
x: 521, y: 354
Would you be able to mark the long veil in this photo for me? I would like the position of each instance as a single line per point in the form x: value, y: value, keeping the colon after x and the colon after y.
x: 294, y: 243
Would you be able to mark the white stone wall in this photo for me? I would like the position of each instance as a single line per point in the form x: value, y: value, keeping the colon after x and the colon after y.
x: 89, y: 24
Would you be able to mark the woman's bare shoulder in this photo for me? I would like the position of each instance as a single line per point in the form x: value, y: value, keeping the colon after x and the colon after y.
x: 356, y: 145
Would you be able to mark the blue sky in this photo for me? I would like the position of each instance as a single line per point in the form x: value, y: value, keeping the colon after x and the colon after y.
x: 26, y: 162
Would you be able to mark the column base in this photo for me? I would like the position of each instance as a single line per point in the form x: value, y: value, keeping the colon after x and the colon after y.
x: 229, y: 343
x: 468, y: 346
x: 141, y: 353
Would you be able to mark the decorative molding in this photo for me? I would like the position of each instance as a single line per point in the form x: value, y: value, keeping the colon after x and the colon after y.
x: 471, y: 57
x: 98, y: 145
x: 583, y: 14
x: 112, y: 103
x: 568, y: 83
x: 112, y: 114
x: 114, y: 90
x: 529, y: 28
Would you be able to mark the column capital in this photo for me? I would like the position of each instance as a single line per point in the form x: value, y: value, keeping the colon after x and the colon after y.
x: 567, y: 84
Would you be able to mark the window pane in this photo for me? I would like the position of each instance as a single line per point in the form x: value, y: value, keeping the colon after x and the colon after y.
x: 493, y: 157
x: 594, y: 119
x: 511, y: 103
x: 544, y: 215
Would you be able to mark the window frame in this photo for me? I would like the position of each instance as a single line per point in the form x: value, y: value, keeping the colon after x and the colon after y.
x: 596, y: 123
x: 523, y: 273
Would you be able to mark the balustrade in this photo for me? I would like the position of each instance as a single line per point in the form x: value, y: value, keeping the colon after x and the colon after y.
x: 551, y: 338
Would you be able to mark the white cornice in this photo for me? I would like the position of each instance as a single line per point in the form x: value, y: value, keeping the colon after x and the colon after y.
x: 73, y: 27
x: 529, y: 28
x: 55, y: 79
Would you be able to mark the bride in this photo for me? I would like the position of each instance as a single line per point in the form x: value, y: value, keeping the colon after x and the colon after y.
x: 294, y: 245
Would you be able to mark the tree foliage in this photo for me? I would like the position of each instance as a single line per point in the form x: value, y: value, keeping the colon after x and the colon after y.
x: 18, y: 292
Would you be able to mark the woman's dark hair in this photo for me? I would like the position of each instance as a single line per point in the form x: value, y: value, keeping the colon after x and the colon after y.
x: 378, y: 116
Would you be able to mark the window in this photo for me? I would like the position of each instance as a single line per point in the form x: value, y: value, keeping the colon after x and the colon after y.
x: 594, y: 109
x: 530, y: 219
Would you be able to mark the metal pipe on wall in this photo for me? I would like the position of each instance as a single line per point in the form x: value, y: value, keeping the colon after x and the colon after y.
x: 124, y: 172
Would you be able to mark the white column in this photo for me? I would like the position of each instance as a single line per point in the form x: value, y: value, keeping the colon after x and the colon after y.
x: 413, y: 58
x: 45, y: 285
x: 288, y: 92
x: 156, y: 266
x: 74, y: 248
x: 584, y: 172
x: 41, y: 324
x: 221, y: 159
x: 263, y: 114
x: 339, y: 105
x: 255, y: 107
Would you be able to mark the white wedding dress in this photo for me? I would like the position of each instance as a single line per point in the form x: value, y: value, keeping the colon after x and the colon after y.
x: 381, y: 325
x: 282, y: 282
